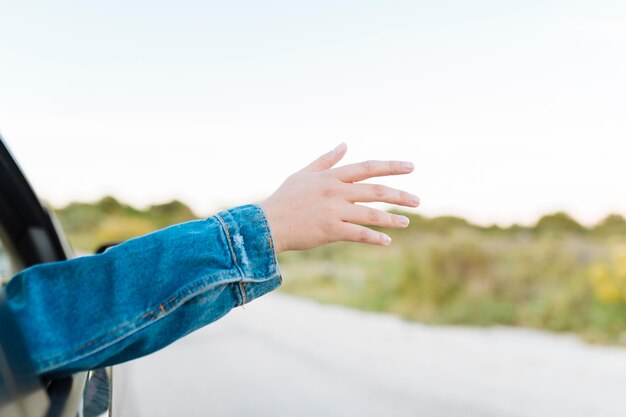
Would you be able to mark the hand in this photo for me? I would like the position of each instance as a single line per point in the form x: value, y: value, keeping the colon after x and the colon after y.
x: 315, y: 206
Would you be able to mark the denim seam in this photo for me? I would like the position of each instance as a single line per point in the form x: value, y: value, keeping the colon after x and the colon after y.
x: 230, y: 244
x: 50, y: 363
x: 242, y: 292
x: 270, y: 238
x: 187, y: 293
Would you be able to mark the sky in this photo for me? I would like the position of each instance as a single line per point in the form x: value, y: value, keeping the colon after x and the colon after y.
x: 509, y: 110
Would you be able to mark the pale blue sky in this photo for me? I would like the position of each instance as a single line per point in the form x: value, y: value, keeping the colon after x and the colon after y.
x: 508, y: 109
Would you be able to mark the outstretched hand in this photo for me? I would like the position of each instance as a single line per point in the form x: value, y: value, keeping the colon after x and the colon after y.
x: 316, y: 205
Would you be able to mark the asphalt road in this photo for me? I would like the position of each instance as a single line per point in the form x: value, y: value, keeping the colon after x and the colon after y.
x: 282, y: 356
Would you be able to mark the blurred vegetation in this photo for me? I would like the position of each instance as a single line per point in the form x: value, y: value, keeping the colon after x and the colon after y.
x: 556, y: 275
x: 89, y: 225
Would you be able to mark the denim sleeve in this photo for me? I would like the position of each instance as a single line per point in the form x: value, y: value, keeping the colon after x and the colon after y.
x: 144, y: 294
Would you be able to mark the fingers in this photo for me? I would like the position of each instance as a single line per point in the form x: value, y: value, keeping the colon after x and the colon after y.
x: 369, y: 169
x: 373, y: 217
x: 348, y: 232
x: 368, y: 193
x: 328, y: 160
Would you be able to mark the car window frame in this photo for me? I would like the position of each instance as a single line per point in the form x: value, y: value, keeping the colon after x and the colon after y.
x: 33, y: 235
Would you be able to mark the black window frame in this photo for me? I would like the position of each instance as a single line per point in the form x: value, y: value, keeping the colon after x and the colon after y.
x: 32, y: 236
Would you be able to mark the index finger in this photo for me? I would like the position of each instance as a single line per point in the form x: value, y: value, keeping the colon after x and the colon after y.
x: 369, y: 169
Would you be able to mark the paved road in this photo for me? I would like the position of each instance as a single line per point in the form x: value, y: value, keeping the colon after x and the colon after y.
x: 283, y: 356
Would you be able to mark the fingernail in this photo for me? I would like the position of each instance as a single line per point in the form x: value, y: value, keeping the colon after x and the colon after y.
x: 408, y: 166
x: 415, y: 200
x: 386, y: 240
x: 404, y: 220
x: 341, y: 145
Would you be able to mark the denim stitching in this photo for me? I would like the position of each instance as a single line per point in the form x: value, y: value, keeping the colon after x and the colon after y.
x: 242, y: 294
x: 230, y: 243
x: 49, y: 363
x: 162, y: 308
x: 183, y: 296
x: 230, y: 246
x: 269, y: 234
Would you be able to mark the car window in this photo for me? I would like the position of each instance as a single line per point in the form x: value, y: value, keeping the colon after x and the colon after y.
x: 5, y: 264
x: 9, y: 263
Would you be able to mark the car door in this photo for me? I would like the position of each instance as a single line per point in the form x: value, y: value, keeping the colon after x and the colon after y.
x: 29, y: 234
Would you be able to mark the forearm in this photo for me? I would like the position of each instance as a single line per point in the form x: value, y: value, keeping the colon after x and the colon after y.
x: 143, y: 294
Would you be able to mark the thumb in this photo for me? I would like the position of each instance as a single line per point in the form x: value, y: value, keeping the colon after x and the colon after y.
x: 328, y: 160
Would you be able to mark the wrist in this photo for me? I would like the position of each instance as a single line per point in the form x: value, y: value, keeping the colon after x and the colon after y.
x: 275, y: 230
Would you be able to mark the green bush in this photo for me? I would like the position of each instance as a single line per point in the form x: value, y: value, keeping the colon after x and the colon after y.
x: 553, y: 276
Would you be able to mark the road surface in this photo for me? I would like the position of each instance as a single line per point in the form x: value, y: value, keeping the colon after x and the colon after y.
x: 283, y: 356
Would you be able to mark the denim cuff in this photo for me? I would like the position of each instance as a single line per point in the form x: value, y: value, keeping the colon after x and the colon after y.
x: 252, y: 249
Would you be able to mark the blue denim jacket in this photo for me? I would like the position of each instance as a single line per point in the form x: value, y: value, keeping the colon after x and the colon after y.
x: 144, y: 294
